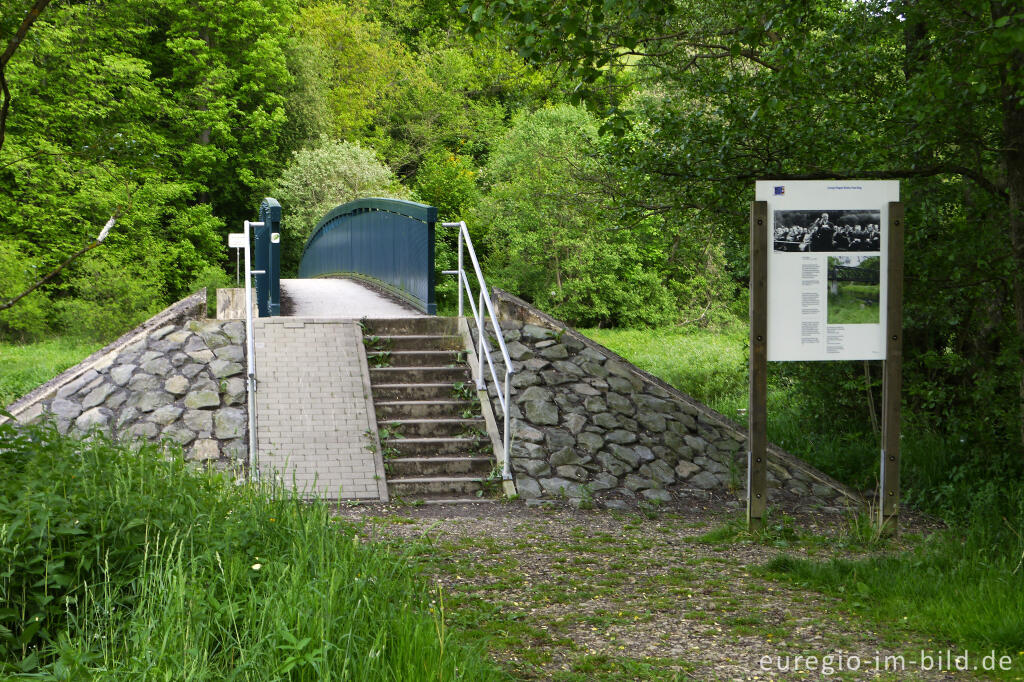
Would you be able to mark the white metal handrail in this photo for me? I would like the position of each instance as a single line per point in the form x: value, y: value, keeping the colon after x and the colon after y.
x: 484, y: 347
x: 250, y: 357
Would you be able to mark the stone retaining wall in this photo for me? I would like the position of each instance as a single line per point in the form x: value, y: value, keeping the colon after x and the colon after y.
x: 587, y: 425
x: 183, y: 381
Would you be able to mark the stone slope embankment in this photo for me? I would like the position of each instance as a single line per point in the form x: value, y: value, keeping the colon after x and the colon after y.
x: 587, y: 425
x: 174, y: 378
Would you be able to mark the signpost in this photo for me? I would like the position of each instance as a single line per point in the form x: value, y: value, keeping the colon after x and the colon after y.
x: 826, y: 283
x: 237, y: 241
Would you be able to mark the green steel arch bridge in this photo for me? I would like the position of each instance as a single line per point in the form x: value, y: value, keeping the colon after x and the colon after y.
x: 846, y: 273
x: 386, y: 243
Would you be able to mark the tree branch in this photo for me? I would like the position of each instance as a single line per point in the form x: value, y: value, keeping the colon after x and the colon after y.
x: 19, y: 35
x: 88, y: 247
x: 5, y: 57
x: 4, y: 108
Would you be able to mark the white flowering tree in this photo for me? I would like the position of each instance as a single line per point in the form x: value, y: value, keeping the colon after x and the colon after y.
x: 319, y: 178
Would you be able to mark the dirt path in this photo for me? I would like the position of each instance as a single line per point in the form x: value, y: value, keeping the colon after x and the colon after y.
x: 582, y: 595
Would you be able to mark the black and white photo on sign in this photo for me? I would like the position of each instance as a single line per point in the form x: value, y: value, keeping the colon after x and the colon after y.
x: 827, y: 231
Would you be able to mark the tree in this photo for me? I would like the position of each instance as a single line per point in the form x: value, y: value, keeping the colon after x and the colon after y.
x: 553, y: 234
x: 320, y: 178
x: 928, y: 92
x: 172, y: 108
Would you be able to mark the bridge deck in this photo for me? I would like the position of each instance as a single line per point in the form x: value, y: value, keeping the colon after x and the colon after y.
x: 330, y: 298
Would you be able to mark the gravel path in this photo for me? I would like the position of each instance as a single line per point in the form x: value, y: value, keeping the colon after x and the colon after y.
x: 578, y: 595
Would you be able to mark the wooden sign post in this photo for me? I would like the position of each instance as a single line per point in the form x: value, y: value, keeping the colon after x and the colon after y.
x: 757, y: 414
x: 892, y: 379
x: 803, y: 323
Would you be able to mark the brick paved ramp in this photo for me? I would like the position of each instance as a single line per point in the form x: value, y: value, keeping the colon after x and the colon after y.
x: 315, y: 409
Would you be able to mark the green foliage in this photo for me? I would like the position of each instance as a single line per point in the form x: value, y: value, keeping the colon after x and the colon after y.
x: 341, y: 86
x: 463, y: 390
x: 170, y: 112
x: 448, y: 182
x: 211, y: 278
x: 110, y: 296
x: 121, y: 564
x: 550, y: 235
x: 430, y: 109
x: 28, y: 319
x: 320, y: 178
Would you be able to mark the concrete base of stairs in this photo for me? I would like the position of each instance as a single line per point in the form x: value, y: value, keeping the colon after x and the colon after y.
x: 494, y: 430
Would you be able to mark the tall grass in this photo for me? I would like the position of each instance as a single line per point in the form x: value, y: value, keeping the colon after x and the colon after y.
x: 25, y: 366
x: 965, y: 584
x: 709, y: 365
x: 131, y: 565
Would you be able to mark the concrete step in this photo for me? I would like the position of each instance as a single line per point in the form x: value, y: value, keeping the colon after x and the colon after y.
x: 418, y: 375
x: 435, y: 447
x: 413, y: 392
x: 459, y: 500
x: 416, y: 358
x: 446, y: 487
x: 436, y: 428
x: 413, y: 342
x: 411, y: 467
x: 427, y: 325
x: 425, y: 409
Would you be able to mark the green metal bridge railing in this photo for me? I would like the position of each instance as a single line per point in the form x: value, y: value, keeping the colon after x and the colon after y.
x: 388, y: 242
x: 266, y: 252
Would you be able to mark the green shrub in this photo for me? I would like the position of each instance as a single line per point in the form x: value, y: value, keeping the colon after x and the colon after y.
x: 27, y: 320
x: 447, y: 181
x: 109, y: 296
x: 212, y: 278
x: 118, y: 565
x: 555, y: 232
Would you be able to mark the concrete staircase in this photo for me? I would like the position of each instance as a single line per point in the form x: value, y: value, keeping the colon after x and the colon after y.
x: 432, y: 433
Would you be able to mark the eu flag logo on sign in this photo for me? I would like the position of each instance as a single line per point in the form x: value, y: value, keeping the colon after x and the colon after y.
x: 780, y: 190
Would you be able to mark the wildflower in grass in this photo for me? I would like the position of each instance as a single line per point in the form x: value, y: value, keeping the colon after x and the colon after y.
x: 257, y: 567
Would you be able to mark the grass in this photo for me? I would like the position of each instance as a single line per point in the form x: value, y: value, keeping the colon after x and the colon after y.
x: 938, y: 588
x: 854, y: 304
x: 710, y: 366
x: 25, y: 366
x: 118, y: 565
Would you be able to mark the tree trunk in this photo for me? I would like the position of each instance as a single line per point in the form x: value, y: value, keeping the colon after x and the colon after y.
x: 1013, y: 159
x: 204, y: 134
